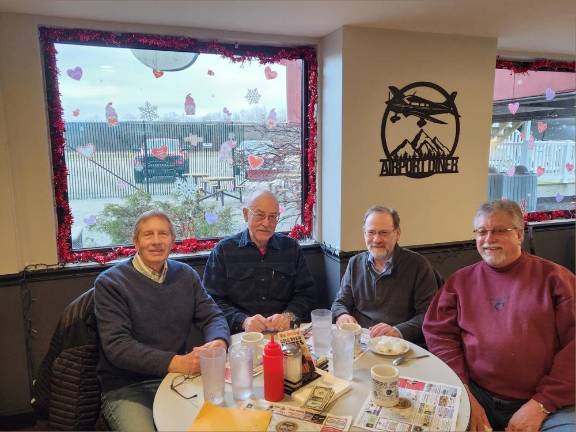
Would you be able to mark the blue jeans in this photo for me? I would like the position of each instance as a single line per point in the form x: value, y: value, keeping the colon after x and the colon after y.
x: 129, y: 408
x: 500, y: 411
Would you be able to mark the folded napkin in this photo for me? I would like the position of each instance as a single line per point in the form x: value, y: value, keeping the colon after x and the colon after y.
x: 215, y: 418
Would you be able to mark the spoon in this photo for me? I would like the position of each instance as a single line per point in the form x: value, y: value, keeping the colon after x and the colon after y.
x: 400, y: 360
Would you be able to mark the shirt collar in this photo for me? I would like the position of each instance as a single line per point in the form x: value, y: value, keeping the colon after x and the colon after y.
x: 387, y: 265
x: 150, y: 273
x: 245, y: 240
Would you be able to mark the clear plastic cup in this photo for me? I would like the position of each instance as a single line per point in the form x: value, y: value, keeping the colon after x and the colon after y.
x: 321, y: 331
x: 212, y: 368
x: 241, y: 368
x: 343, y: 354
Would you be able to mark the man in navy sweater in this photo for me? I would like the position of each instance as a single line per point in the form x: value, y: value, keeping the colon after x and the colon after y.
x: 145, y: 308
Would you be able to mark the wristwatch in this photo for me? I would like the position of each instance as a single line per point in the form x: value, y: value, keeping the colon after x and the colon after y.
x: 543, y: 409
x: 291, y: 317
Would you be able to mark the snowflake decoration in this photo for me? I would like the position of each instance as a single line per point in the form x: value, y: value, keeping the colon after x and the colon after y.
x: 252, y: 96
x: 148, y: 112
x: 185, y: 188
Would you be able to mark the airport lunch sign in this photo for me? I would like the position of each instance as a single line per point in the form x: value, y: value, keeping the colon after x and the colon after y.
x: 420, y: 131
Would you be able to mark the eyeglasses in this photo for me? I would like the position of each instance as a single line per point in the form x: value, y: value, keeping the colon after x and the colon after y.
x: 381, y: 233
x: 177, y: 384
x: 483, y: 232
x: 260, y: 216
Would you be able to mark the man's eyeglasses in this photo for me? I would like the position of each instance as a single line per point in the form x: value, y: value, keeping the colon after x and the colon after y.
x: 483, y: 232
x: 178, y: 386
x: 260, y: 216
x: 381, y: 233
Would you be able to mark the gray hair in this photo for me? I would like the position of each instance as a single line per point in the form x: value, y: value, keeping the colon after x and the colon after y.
x: 385, y: 210
x: 504, y: 206
x: 258, y: 193
x: 149, y: 215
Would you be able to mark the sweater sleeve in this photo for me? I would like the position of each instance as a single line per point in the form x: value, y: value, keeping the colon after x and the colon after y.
x: 425, y: 286
x: 556, y: 389
x: 344, y: 302
x: 115, y: 331
x: 442, y: 331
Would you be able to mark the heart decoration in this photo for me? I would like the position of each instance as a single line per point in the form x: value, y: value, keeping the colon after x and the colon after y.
x: 90, y: 220
x: 76, y: 112
x: 255, y: 162
x: 513, y: 107
x: 540, y: 171
x: 87, y: 150
x: 559, y: 197
x: 160, y: 152
x: 211, y: 218
x: 550, y: 94
x: 157, y: 73
x: 75, y: 74
x: 511, y: 171
x: 269, y: 73
x: 531, y: 142
x: 542, y: 126
x: 210, y: 72
x: 569, y: 167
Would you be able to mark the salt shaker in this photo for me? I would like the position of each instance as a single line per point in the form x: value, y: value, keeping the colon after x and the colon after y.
x: 292, y: 363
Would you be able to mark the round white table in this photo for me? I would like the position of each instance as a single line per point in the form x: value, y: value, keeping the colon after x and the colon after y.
x: 173, y: 412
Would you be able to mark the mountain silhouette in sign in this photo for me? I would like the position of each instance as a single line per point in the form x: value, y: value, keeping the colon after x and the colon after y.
x: 422, y: 145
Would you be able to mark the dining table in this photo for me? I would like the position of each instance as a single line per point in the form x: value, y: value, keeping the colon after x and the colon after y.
x: 172, y: 412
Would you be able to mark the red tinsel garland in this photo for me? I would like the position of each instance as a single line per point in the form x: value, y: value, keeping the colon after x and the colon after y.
x: 50, y: 36
x: 549, y: 215
x: 535, y: 65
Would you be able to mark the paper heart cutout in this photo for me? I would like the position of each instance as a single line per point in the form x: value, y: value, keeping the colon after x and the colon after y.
x: 531, y: 142
x: 513, y: 107
x: 210, y: 72
x: 90, y: 220
x: 255, y: 162
x: 157, y: 73
x: 75, y: 73
x: 542, y: 126
x: 511, y: 171
x: 269, y: 73
x: 87, y: 150
x: 76, y: 112
x: 540, y: 171
x: 550, y: 94
x: 569, y: 167
x: 160, y: 152
x: 559, y: 197
x: 211, y: 218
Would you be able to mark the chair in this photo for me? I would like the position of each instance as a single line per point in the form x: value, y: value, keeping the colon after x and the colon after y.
x: 66, y: 391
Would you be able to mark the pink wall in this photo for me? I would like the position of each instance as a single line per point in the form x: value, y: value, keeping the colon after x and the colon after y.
x: 531, y: 83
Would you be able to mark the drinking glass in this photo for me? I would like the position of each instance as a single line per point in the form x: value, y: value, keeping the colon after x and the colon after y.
x: 240, y: 359
x: 321, y: 331
x: 343, y: 354
x: 212, y: 368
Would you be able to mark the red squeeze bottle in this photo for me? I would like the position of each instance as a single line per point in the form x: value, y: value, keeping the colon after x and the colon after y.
x: 273, y: 362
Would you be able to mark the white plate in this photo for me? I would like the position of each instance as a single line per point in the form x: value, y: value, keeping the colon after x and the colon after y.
x: 384, y: 345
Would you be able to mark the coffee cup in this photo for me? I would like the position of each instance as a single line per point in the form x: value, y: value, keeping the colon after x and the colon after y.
x: 356, y: 330
x: 255, y: 341
x: 384, y: 385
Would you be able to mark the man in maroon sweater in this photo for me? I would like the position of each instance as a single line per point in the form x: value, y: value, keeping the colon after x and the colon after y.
x: 505, y: 325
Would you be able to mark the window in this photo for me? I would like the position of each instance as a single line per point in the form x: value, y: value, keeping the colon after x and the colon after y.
x: 533, y: 138
x: 192, y: 128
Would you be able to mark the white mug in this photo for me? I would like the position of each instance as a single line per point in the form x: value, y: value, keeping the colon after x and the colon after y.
x: 384, y: 385
x: 254, y: 340
x: 356, y: 330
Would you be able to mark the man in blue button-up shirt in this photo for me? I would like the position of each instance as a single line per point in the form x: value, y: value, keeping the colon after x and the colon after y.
x: 259, y: 277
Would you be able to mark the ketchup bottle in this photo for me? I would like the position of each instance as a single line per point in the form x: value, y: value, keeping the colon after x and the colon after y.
x: 273, y: 362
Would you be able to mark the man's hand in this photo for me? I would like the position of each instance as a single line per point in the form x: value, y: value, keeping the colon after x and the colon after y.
x: 478, y: 420
x: 213, y: 344
x: 187, y: 364
x: 278, y: 322
x: 383, y: 329
x: 345, y: 318
x: 256, y: 323
x: 528, y: 418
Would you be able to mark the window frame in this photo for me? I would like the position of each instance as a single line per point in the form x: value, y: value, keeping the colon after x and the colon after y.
x: 237, y: 53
